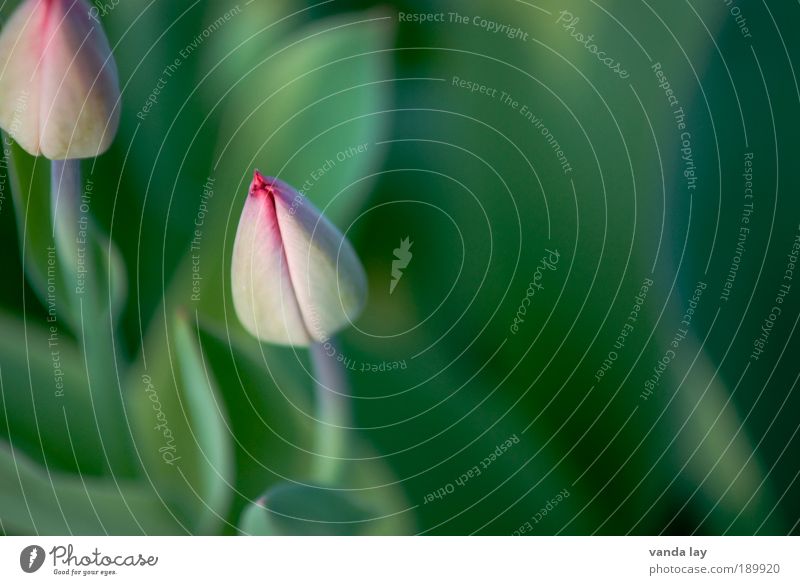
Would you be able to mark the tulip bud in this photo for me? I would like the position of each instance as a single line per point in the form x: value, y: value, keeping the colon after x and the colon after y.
x: 58, y: 81
x: 295, y: 277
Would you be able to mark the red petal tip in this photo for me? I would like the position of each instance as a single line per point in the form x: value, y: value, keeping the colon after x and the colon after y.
x: 261, y: 185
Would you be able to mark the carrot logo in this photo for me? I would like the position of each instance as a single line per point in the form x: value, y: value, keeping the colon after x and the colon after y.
x: 31, y: 558
x: 402, y: 257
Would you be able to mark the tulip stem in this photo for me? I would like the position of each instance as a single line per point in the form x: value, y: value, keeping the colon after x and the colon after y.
x: 333, y: 413
x: 80, y: 261
x: 65, y: 188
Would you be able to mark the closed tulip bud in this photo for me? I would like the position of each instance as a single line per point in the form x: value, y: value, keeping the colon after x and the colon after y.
x: 295, y: 278
x: 59, y: 88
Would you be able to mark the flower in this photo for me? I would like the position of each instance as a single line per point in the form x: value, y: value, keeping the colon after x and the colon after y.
x: 295, y: 278
x: 59, y: 89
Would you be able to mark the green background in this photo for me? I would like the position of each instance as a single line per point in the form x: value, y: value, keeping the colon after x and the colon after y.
x: 284, y: 86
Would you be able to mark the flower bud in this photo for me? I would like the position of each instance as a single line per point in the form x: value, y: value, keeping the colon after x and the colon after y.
x: 295, y: 278
x: 59, y: 88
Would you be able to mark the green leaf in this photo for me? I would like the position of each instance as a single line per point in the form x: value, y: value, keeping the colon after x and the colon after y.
x: 295, y: 510
x: 105, y: 276
x: 727, y: 486
x: 305, y: 106
x: 29, y: 179
x: 268, y: 402
x: 45, y: 401
x: 249, y: 35
x: 94, y: 288
x: 276, y: 434
x: 379, y: 490
x: 372, y: 503
x: 208, y: 426
x: 34, y: 500
x: 180, y: 426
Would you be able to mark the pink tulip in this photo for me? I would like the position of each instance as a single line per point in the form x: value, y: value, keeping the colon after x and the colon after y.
x: 296, y: 279
x: 59, y: 89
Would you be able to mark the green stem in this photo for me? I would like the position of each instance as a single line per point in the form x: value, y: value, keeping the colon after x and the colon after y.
x: 65, y: 189
x: 80, y: 261
x: 333, y: 414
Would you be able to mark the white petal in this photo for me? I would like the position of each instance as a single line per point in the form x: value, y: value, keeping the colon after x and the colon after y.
x: 263, y: 296
x: 295, y: 277
x: 20, y: 52
x: 327, y: 275
x: 59, y: 87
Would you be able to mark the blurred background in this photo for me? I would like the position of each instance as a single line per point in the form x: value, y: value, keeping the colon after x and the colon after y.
x: 603, y: 209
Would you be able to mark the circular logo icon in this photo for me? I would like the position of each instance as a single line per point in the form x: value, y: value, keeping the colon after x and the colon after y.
x: 31, y: 558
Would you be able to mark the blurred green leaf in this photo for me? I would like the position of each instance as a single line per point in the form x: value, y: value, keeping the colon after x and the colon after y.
x: 209, y: 426
x: 30, y: 184
x: 46, y: 403
x: 35, y: 500
x: 377, y: 488
x: 275, y: 432
x: 94, y: 285
x: 153, y: 179
x: 312, y: 100
x: 245, y: 41
x: 722, y: 475
x: 105, y: 269
x: 267, y: 402
x: 301, y: 510
x: 371, y: 503
x: 180, y: 425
